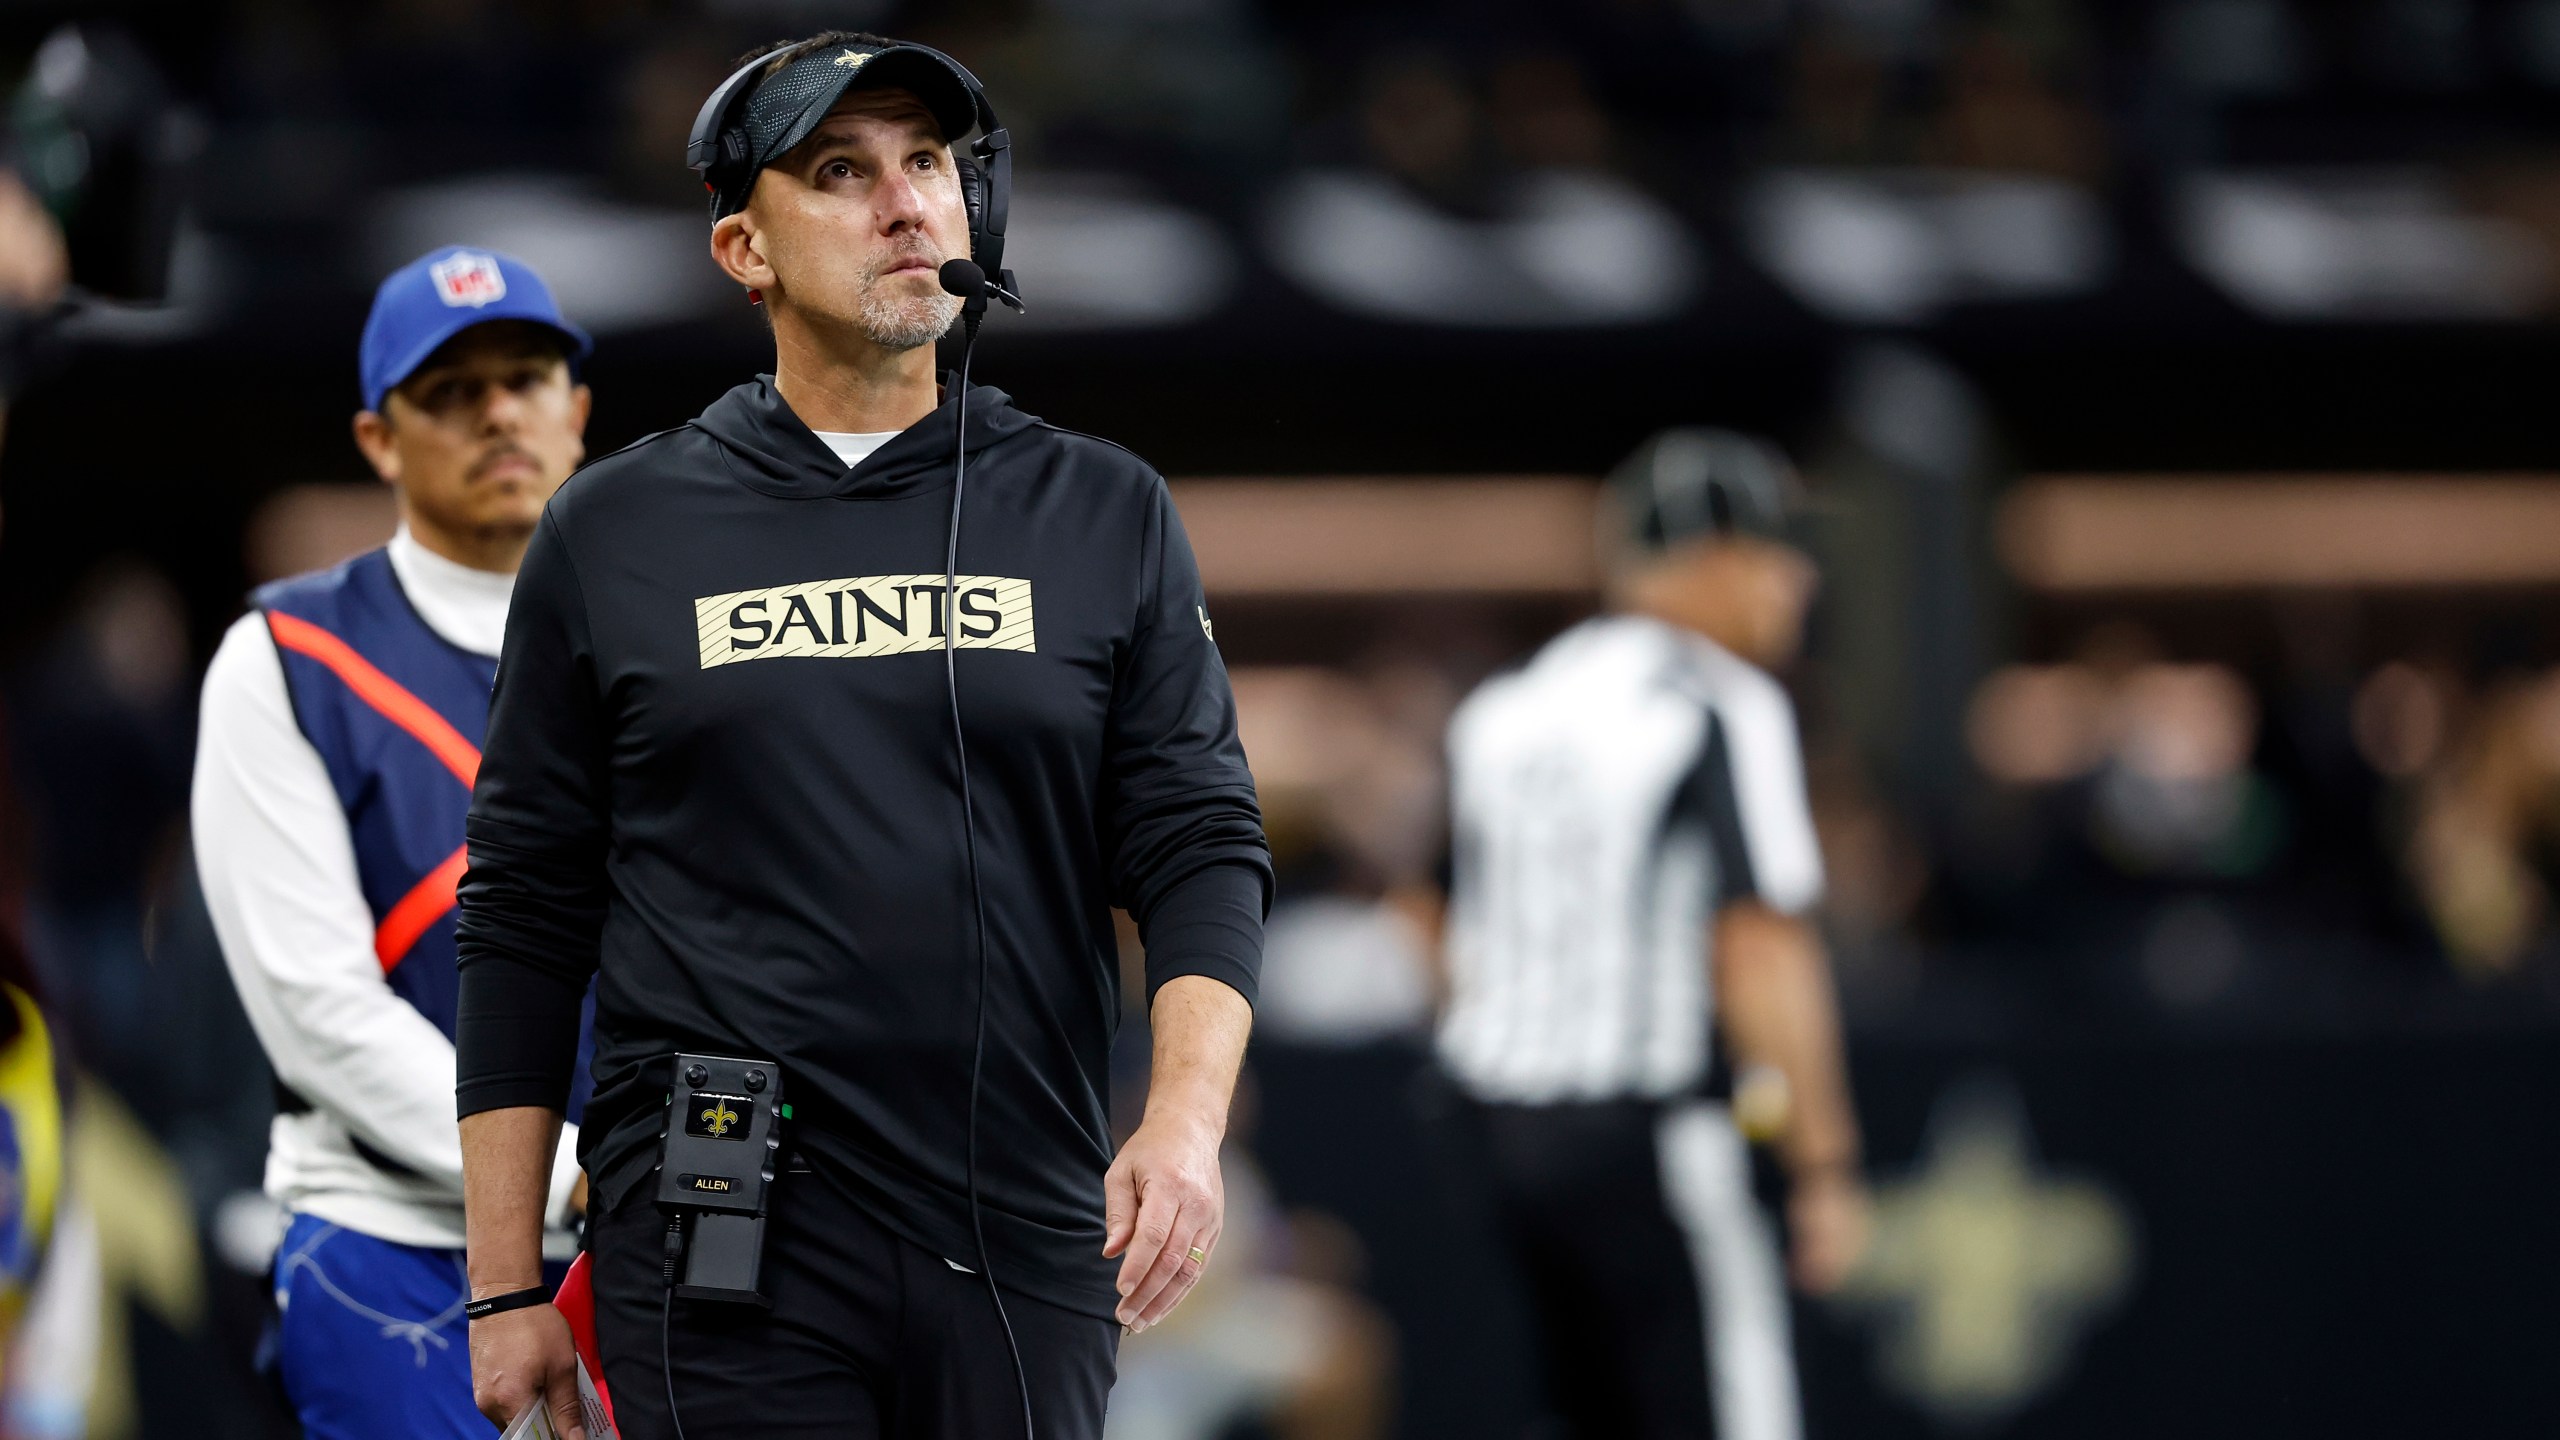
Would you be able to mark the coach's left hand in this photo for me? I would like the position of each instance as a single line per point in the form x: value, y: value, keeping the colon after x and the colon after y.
x: 1162, y: 1198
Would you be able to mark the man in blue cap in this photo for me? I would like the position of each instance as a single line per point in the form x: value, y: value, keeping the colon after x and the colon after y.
x: 342, y: 722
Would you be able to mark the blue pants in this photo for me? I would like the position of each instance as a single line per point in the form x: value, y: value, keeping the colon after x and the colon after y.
x: 370, y: 1339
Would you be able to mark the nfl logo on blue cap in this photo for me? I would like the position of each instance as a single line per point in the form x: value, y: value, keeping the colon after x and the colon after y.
x: 469, y: 278
x: 437, y: 296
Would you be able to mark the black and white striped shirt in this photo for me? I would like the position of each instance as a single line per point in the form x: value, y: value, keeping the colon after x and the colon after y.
x: 1607, y: 799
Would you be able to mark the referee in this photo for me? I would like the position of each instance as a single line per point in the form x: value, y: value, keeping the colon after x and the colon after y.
x: 721, y: 779
x: 1632, y: 856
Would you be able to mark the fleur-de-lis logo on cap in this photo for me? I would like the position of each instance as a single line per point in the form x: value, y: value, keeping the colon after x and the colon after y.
x: 851, y: 59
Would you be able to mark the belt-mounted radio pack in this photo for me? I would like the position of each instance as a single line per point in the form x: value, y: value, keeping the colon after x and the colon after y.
x: 715, y: 1174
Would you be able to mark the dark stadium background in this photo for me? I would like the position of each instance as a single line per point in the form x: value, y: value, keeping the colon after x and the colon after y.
x: 2327, y: 1147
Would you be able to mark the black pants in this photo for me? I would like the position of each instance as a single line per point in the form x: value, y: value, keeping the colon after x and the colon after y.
x: 869, y: 1336
x: 1653, y: 1274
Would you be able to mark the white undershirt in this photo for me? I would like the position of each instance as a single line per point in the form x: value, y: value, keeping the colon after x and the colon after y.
x: 855, y: 446
x: 465, y: 606
x: 279, y: 872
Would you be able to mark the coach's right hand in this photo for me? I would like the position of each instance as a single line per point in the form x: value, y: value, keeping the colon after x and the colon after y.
x: 523, y: 1356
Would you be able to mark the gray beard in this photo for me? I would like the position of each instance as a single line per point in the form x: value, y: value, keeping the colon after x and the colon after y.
x: 906, y: 324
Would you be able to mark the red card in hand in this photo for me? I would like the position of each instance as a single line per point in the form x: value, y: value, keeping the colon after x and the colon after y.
x: 577, y: 1304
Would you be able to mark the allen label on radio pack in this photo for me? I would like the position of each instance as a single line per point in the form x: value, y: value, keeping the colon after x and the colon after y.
x: 862, y: 617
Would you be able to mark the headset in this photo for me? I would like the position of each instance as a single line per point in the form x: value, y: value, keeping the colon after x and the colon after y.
x: 719, y: 150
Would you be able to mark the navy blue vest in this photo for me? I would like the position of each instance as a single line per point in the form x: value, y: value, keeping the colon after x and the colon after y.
x: 398, y: 714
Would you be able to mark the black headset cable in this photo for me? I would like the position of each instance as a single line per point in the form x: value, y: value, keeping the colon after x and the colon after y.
x: 667, y: 1320
x: 970, y: 314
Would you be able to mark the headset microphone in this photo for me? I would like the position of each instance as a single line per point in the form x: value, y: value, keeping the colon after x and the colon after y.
x: 968, y: 280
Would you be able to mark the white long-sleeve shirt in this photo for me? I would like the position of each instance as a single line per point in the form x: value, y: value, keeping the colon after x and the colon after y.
x: 279, y: 870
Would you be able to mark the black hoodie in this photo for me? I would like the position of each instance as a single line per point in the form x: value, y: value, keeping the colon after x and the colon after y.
x: 720, y: 779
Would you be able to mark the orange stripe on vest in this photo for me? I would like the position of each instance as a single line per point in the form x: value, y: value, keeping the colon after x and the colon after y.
x: 384, y: 694
x: 427, y: 901
x: 419, y: 910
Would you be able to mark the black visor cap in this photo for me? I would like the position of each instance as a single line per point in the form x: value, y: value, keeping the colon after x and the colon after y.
x: 785, y: 108
x: 1693, y: 481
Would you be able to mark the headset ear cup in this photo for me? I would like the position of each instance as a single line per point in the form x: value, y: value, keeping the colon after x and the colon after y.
x: 721, y: 176
x: 973, y: 195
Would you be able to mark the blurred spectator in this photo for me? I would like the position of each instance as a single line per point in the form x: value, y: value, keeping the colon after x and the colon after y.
x: 2039, y: 724
x: 2177, y: 792
x: 1544, y: 117
x: 1458, y: 218
x: 33, y: 263
x: 2486, y: 812
x: 2165, y: 750
x: 1194, y: 85
x: 2152, y: 770
x: 2402, y: 718
x: 661, y: 89
x: 2011, y: 104
x: 1875, y: 878
x: 101, y: 728
x: 311, y: 527
x: 1843, y: 103
x: 1424, y: 127
x: 1351, y: 791
x: 34, y: 267
x: 1352, y: 971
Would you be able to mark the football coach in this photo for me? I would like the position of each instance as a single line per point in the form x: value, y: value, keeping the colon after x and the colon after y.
x: 722, y: 779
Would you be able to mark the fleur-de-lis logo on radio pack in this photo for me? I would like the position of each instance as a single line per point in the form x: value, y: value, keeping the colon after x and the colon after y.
x: 721, y: 1117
